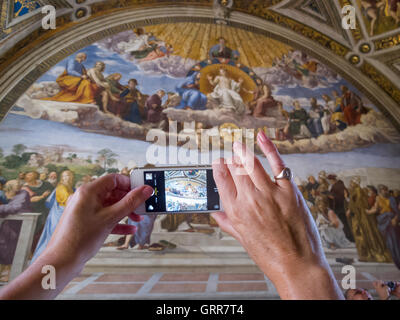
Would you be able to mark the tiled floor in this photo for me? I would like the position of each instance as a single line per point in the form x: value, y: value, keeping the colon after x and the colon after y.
x: 188, y: 285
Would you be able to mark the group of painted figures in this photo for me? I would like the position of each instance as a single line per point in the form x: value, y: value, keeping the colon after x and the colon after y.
x: 78, y: 85
x: 368, y: 217
x: 337, y: 114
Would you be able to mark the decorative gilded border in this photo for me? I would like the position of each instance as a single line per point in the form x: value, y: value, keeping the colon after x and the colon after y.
x: 387, y: 43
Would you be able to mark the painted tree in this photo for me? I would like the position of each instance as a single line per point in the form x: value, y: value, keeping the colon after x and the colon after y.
x: 107, y: 158
x: 19, y: 149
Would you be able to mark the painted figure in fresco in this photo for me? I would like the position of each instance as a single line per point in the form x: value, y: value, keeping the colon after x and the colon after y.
x: 154, y: 107
x: 140, y: 43
x: 338, y: 118
x: 298, y: 122
x: 263, y: 100
x: 393, y: 9
x: 372, y: 215
x: 3, y: 198
x: 53, y: 178
x: 312, y: 189
x: 227, y: 92
x: 372, y: 10
x: 132, y: 98
x: 190, y: 93
x: 159, y: 52
x: 57, y: 202
x: 351, y: 106
x: 18, y: 202
x: 111, y: 98
x: 144, y: 46
x: 388, y: 222
x: 323, y: 182
x: 330, y: 226
x: 221, y: 51
x: 314, y: 123
x: 329, y: 109
x: 75, y: 83
x: 38, y: 192
x: 141, y: 239
x: 369, y: 247
x: 337, y: 195
x: 102, y: 86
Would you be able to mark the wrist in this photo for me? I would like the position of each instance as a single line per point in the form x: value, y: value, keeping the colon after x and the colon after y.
x: 307, y: 282
x: 66, y: 267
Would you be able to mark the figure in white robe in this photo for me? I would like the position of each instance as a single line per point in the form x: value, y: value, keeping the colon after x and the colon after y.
x: 331, y: 231
x: 138, y: 44
x: 227, y: 92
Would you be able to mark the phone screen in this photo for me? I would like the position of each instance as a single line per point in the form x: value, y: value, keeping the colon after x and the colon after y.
x: 182, y: 191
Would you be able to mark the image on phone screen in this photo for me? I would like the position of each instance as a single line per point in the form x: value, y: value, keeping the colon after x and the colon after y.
x: 182, y: 191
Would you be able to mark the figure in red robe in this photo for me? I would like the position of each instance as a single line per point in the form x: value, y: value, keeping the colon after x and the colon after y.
x: 352, y: 106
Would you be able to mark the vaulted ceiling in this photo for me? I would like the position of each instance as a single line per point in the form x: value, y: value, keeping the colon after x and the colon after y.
x: 367, y: 56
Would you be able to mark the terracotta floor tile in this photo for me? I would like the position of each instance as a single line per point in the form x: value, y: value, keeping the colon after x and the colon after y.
x: 185, y: 277
x: 110, y: 288
x: 241, y: 277
x: 80, y: 278
x: 237, y: 287
x: 139, y: 277
x: 178, y: 288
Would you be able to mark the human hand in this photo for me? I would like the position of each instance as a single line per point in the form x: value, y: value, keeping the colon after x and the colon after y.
x: 46, y: 194
x: 92, y: 213
x: 274, y: 225
x: 381, y: 289
x: 396, y: 291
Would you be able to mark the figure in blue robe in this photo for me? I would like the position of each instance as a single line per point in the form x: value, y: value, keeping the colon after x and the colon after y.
x: 132, y: 96
x: 191, y: 96
x: 56, y: 202
x: 391, y: 233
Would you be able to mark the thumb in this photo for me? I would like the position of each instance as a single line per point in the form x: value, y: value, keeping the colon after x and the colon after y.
x: 225, y: 224
x: 129, y: 203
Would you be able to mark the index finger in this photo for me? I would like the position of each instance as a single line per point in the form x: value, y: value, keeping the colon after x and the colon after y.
x: 274, y: 158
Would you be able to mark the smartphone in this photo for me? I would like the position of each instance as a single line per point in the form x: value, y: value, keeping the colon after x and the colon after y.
x: 178, y: 190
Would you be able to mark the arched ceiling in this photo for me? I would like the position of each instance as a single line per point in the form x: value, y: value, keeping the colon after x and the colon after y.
x: 369, y: 59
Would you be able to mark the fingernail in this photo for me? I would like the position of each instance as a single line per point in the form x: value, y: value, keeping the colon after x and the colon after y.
x: 262, y: 137
x: 147, y: 191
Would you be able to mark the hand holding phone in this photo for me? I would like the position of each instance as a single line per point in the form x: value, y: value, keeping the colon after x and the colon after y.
x: 178, y: 190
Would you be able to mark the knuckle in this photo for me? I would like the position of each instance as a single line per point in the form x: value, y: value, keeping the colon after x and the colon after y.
x: 131, y: 200
x: 82, y: 192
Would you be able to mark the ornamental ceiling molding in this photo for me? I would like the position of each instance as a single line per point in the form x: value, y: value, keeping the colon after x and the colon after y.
x: 33, y: 58
x: 327, y: 20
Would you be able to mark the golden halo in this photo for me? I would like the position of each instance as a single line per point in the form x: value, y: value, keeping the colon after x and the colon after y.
x: 234, y: 73
x: 227, y: 131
